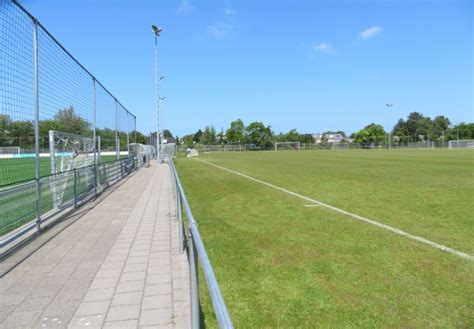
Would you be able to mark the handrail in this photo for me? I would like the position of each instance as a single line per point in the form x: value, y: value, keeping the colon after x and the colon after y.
x: 197, y: 250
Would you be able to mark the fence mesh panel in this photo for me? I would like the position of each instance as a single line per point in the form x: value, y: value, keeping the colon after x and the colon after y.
x: 105, y: 122
x: 16, y: 94
x: 70, y: 100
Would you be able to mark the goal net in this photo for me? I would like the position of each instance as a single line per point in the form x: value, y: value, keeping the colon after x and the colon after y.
x: 5, y: 150
x: 462, y: 143
x: 143, y: 153
x: 191, y: 153
x: 287, y: 146
x: 68, y: 152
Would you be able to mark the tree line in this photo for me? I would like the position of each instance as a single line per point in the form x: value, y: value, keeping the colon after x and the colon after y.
x: 416, y: 128
x: 21, y: 132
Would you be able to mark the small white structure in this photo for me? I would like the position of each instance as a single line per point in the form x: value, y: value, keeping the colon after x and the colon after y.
x: 295, y: 146
x: 191, y: 153
x: 461, y: 143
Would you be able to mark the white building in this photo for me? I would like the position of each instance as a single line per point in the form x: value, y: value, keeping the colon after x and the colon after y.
x: 330, y: 138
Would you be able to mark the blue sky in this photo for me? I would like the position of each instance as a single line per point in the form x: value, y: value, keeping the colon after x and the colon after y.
x: 309, y: 65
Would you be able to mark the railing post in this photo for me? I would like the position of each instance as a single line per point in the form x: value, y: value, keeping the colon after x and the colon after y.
x: 75, y: 187
x: 193, y: 269
x: 180, y: 222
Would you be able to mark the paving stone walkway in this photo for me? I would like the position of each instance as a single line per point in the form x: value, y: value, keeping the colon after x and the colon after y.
x: 117, y: 266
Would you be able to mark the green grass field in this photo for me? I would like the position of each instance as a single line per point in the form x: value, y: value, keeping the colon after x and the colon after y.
x: 16, y: 210
x: 17, y: 170
x: 280, y: 264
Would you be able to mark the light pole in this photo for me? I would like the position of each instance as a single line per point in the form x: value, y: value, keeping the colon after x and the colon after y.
x: 389, y: 130
x: 162, y: 130
x: 157, y: 30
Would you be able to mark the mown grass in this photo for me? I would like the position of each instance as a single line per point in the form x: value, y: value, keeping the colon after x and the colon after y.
x: 19, y: 209
x: 280, y: 264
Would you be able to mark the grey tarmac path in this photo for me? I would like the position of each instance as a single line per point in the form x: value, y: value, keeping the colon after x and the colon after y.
x: 117, y: 266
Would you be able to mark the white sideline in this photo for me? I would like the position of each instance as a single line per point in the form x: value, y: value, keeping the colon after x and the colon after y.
x: 357, y: 217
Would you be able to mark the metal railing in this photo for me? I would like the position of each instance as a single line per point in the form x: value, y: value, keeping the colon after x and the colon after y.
x: 190, y: 239
x: 23, y: 215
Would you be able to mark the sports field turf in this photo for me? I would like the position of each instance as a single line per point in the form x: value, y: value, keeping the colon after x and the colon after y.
x: 280, y: 263
x: 17, y: 170
x: 20, y: 208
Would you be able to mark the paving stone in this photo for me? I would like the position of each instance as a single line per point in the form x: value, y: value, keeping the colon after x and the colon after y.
x: 22, y: 318
x: 156, y: 317
x: 125, y: 324
x: 35, y: 303
x: 104, y: 283
x: 90, y: 321
x: 158, y: 278
x: 99, y: 294
x: 92, y: 308
x: 158, y: 301
x: 157, y: 289
x: 130, y: 286
x: 127, y: 298
x: 120, y: 313
x: 133, y: 276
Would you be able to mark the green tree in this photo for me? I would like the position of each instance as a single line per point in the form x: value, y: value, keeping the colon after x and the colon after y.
x: 68, y: 121
x: 372, y: 134
x: 187, y: 140
x: 139, y: 137
x: 236, y: 133
x: 167, y: 134
x: 208, y: 137
x: 259, y: 135
x: 292, y: 136
x: 197, y: 136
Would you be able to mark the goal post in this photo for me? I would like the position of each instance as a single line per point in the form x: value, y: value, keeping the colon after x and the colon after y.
x: 295, y: 146
x: 69, y: 152
x: 461, y: 143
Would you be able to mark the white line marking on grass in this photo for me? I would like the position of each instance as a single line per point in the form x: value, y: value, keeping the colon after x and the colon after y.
x: 355, y: 216
x: 311, y: 205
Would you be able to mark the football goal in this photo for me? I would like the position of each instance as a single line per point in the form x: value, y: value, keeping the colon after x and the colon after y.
x: 68, y: 152
x: 143, y: 153
x: 9, y: 150
x: 461, y: 143
x: 287, y: 146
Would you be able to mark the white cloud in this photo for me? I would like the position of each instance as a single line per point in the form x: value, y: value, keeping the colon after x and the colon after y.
x: 370, y: 32
x: 219, y: 30
x: 185, y: 6
x: 229, y: 11
x: 323, y: 48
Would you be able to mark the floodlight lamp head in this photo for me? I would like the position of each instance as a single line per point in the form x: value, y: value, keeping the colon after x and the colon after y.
x: 162, y: 77
x: 389, y: 105
x: 162, y: 98
x: 157, y: 30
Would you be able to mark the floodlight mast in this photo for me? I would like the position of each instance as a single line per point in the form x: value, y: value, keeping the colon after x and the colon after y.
x: 389, y: 130
x: 157, y: 31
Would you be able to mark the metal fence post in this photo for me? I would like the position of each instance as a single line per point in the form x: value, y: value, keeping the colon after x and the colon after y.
x: 128, y: 135
x: 75, y: 187
x: 94, y: 116
x: 180, y: 222
x: 117, y: 141
x: 37, y: 128
x: 193, y: 268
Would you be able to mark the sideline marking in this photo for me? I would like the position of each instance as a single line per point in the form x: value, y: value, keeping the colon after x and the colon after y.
x: 311, y: 205
x: 347, y: 213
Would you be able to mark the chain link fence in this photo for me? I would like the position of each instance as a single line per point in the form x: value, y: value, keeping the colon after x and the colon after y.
x: 45, y: 92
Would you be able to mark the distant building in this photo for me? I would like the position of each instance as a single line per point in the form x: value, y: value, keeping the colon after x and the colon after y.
x: 330, y: 138
x: 317, y: 138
